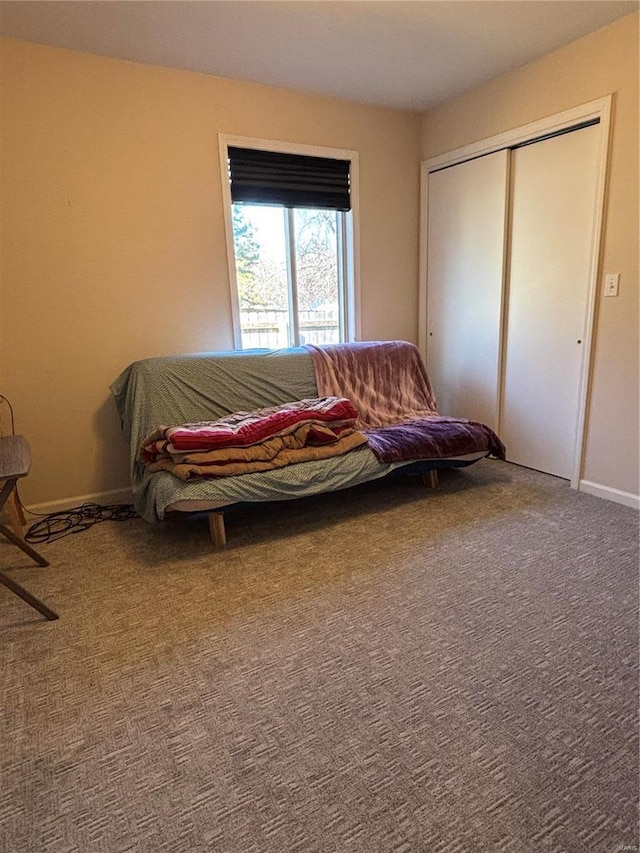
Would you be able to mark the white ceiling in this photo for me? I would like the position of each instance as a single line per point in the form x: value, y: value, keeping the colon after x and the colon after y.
x: 408, y: 55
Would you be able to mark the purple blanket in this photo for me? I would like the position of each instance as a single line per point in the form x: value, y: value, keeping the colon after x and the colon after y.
x: 432, y: 438
x: 386, y: 381
x: 388, y: 384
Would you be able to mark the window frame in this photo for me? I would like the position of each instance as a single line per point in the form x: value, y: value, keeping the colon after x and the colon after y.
x: 349, y: 263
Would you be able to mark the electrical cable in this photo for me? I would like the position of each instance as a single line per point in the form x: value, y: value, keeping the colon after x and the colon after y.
x: 56, y: 525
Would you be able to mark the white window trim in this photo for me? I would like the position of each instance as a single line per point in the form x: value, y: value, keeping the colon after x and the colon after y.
x: 352, y: 241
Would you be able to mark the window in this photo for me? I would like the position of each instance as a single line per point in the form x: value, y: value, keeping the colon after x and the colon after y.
x: 292, y: 264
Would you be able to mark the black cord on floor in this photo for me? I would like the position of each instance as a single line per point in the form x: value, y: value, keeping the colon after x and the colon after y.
x: 56, y: 525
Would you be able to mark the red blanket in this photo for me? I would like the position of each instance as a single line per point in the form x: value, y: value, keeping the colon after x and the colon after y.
x: 242, y: 429
x: 246, y: 442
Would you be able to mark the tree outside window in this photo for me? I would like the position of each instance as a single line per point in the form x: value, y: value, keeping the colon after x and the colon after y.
x: 288, y: 271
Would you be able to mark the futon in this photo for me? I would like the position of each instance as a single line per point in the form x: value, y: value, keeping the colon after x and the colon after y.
x: 172, y: 391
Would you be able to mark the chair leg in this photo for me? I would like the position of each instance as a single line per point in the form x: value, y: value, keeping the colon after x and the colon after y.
x: 11, y: 536
x: 26, y: 596
x: 18, y: 509
x: 13, y: 514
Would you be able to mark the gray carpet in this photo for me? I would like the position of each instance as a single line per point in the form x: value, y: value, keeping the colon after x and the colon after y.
x: 386, y: 669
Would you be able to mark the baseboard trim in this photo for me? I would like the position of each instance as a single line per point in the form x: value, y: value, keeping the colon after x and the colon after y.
x: 125, y: 496
x: 610, y: 494
x: 115, y: 496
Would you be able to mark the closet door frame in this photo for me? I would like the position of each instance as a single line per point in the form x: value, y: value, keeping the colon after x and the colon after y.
x: 599, y: 110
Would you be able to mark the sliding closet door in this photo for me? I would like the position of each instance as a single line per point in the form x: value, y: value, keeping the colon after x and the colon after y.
x: 465, y: 250
x: 552, y: 225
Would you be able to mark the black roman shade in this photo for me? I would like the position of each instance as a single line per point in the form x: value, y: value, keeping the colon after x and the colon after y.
x: 293, y: 180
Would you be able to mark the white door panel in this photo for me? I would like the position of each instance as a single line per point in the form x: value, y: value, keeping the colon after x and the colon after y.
x: 465, y: 252
x: 552, y: 223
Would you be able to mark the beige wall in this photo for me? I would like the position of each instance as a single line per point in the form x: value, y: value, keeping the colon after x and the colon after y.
x: 113, y: 242
x: 602, y: 63
x: 112, y: 235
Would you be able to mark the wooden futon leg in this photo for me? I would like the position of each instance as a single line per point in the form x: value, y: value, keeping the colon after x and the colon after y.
x: 430, y: 478
x: 216, y: 529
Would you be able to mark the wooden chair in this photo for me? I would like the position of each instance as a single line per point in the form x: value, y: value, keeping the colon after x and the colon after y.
x: 12, y: 511
x: 15, y: 461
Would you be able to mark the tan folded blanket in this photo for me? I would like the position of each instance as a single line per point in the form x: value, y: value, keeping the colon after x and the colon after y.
x: 275, y: 452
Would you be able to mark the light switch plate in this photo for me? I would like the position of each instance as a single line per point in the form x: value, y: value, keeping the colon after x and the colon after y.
x: 611, y: 284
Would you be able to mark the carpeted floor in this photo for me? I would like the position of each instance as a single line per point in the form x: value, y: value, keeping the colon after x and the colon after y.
x: 387, y: 669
